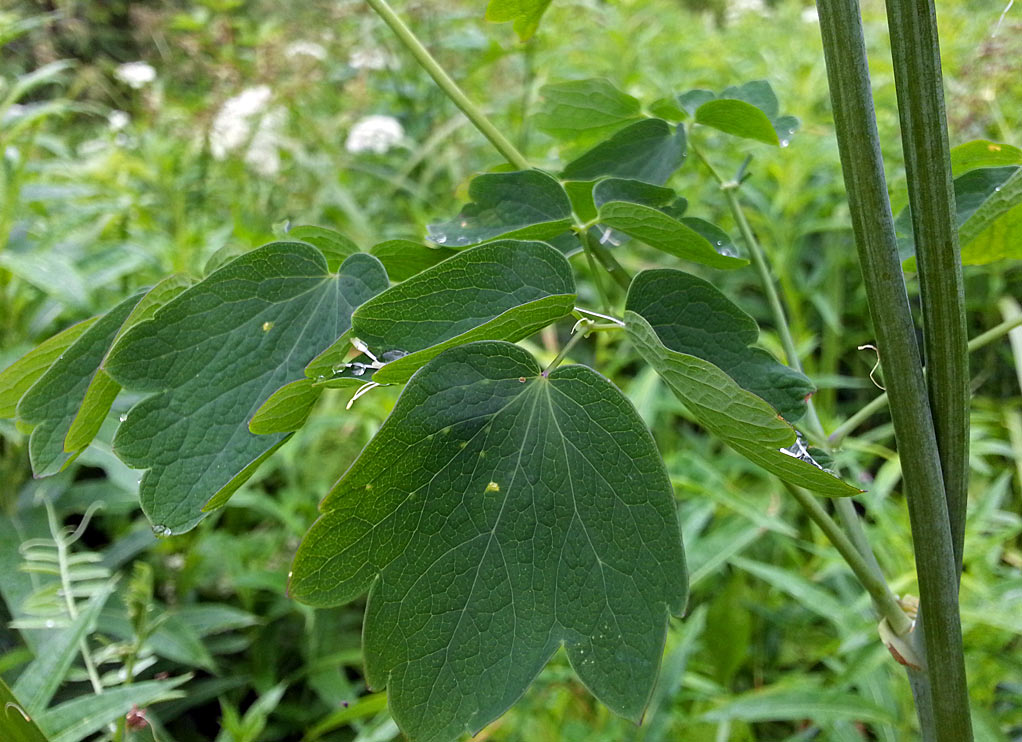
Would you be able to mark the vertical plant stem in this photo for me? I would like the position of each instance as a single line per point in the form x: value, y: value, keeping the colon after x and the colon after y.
x: 450, y: 88
x: 873, y: 225
x: 587, y: 247
x: 917, y: 75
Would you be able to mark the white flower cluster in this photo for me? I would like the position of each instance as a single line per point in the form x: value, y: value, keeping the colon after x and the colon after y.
x: 376, y: 133
x: 135, y: 74
x: 247, y: 119
x: 306, y: 49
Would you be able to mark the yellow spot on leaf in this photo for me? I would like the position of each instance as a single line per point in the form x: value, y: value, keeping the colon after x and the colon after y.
x: 493, y: 487
x: 267, y: 326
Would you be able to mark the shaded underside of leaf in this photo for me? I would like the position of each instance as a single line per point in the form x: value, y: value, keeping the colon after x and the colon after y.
x: 691, y: 316
x: 527, y: 204
x: 741, y: 419
x: 54, y: 401
x: 404, y: 258
x: 497, y: 515
x: 649, y: 150
x: 585, y: 110
x: 503, y: 290
x: 213, y: 355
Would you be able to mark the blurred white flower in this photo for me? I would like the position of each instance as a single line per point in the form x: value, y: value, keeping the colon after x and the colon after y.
x: 374, y: 133
x: 305, y: 48
x: 118, y: 120
x: 738, y: 8
x: 135, y: 74
x: 369, y: 59
x: 811, y: 15
x: 246, y: 119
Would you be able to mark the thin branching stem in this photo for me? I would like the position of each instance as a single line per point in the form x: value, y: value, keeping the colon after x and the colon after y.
x: 448, y: 86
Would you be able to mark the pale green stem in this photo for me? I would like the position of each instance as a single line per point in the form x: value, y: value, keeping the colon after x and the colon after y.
x: 878, y: 403
x: 584, y: 327
x: 450, y: 88
x: 587, y: 248
x: 886, y: 604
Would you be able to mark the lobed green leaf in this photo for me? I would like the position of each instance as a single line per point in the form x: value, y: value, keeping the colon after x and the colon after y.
x: 212, y: 356
x: 499, y: 514
x: 650, y: 150
x: 527, y: 204
x: 738, y: 417
x: 690, y: 315
x: 503, y: 290
x: 585, y: 110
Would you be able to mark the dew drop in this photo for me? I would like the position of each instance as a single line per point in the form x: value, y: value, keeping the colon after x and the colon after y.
x: 50, y: 624
x: 440, y: 239
x: 785, y: 142
x: 161, y: 531
x: 997, y: 189
x: 123, y: 417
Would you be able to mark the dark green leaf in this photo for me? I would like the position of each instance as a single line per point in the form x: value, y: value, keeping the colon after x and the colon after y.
x: 336, y: 248
x: 212, y: 356
x: 504, y: 290
x: 54, y: 401
x: 16, y: 724
x: 713, y: 234
x: 649, y: 150
x: 983, y: 153
x: 499, y: 514
x: 19, y: 377
x: 404, y: 258
x: 691, y: 100
x: 526, y: 204
x: 756, y: 92
x: 585, y: 110
x: 740, y: 418
x: 637, y: 192
x: 665, y: 233
x: 525, y: 14
x: 689, y: 315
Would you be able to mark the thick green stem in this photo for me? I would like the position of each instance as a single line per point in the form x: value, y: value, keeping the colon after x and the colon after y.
x: 873, y: 226
x: 917, y: 74
x: 450, y: 88
x: 878, y: 403
x: 883, y: 599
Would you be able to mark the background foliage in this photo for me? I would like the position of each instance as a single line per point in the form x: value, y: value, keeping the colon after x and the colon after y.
x: 256, y: 116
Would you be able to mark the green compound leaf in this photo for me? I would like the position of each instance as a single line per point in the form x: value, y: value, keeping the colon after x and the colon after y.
x: 58, y: 397
x: 504, y: 290
x: 983, y: 153
x: 404, y: 258
x: 526, y: 14
x: 212, y: 356
x: 691, y: 316
x: 749, y: 111
x: 497, y: 515
x: 526, y: 204
x: 663, y: 232
x: 18, y: 378
x: 739, y: 418
x: 336, y: 248
x: 585, y: 110
x: 649, y: 150
x: 989, y: 215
